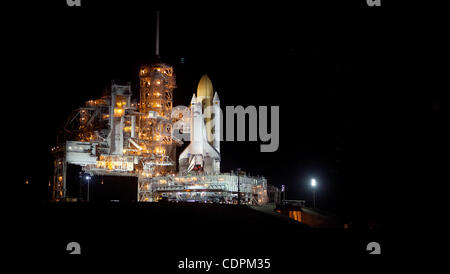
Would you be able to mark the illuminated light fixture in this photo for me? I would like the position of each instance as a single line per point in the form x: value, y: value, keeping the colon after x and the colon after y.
x: 313, y: 182
x: 118, y: 112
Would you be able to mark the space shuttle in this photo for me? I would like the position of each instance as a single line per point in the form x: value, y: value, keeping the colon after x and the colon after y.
x: 203, y: 152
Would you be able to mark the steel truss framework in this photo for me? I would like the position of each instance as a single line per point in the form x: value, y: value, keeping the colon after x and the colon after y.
x: 114, y: 135
x: 222, y: 188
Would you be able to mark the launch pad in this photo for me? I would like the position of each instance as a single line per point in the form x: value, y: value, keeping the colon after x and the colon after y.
x: 116, y: 136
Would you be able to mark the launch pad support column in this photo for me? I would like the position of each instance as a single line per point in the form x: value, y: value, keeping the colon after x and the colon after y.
x: 239, y: 186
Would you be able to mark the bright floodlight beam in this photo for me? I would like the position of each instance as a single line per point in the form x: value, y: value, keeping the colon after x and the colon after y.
x: 313, y: 182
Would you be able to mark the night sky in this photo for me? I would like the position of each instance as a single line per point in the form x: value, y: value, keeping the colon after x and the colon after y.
x: 329, y: 66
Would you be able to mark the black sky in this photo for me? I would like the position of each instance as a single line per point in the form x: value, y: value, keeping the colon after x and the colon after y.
x: 329, y: 66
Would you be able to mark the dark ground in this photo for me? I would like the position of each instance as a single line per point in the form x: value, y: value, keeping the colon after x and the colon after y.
x: 162, y: 234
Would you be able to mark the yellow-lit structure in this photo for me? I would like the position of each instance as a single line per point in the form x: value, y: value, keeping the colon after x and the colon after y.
x: 117, y: 136
x: 114, y: 135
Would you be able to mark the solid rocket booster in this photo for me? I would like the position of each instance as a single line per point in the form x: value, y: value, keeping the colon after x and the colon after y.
x: 217, y: 118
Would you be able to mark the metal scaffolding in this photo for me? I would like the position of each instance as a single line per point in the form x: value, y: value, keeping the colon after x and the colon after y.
x: 222, y: 188
x: 114, y: 135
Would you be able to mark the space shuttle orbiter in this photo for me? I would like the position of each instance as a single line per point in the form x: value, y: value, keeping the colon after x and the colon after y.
x: 203, y: 153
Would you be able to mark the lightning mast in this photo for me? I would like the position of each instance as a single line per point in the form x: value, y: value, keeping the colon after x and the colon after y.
x: 157, y: 34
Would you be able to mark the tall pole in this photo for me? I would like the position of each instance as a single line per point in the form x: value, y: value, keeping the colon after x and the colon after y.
x: 81, y: 178
x: 157, y: 33
x: 89, y: 180
x: 239, y: 187
x: 314, y: 197
x: 313, y: 185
